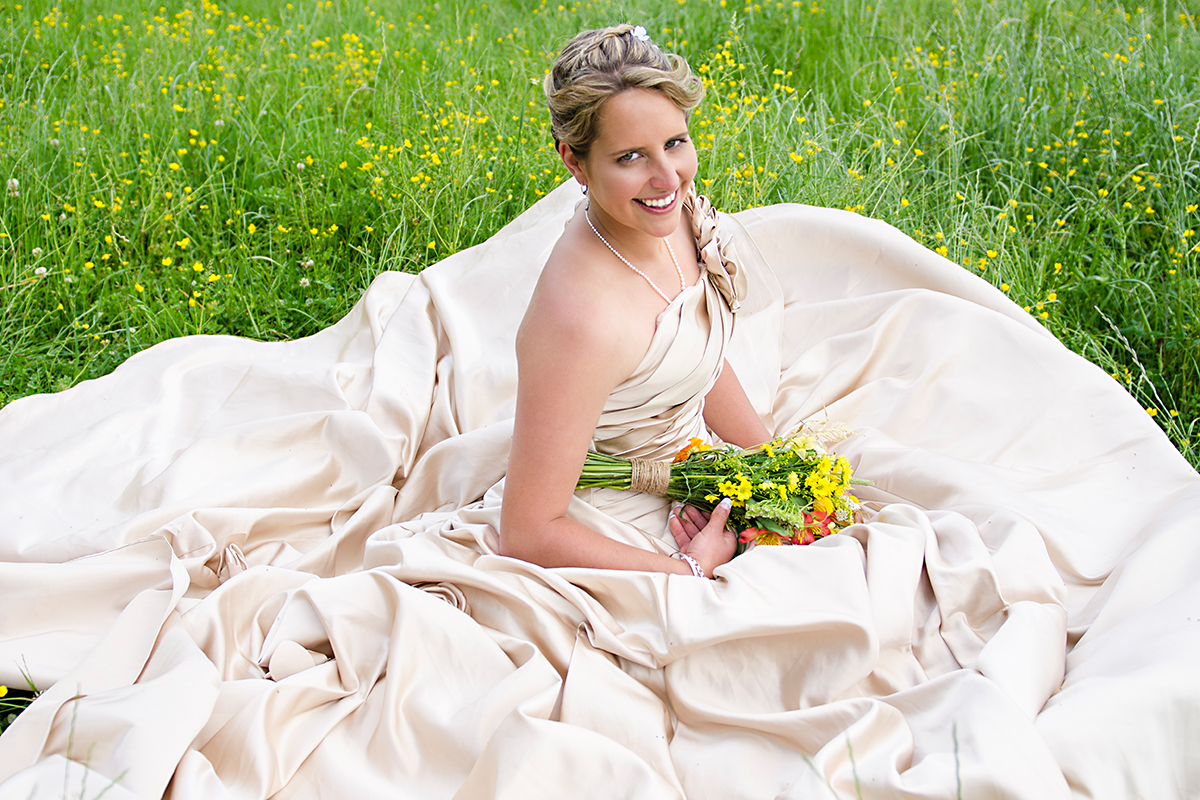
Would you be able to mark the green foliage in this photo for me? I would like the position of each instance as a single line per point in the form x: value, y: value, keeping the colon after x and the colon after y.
x: 247, y: 168
x: 12, y: 703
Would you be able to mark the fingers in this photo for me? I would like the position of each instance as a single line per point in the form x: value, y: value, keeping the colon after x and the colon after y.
x: 682, y: 537
x: 692, y: 516
x: 714, y: 544
x: 720, y: 515
x: 686, y: 522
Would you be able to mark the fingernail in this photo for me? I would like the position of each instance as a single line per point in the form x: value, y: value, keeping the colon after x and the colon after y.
x: 726, y: 504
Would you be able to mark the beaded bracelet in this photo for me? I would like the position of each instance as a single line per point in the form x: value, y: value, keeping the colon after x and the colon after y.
x: 697, y: 570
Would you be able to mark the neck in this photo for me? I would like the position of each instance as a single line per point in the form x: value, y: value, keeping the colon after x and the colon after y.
x: 633, y: 244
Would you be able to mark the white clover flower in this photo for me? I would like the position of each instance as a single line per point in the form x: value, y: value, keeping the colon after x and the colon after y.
x: 304, y: 283
x: 220, y: 123
x: 14, y: 187
x: 300, y: 165
x: 37, y: 252
x: 40, y: 271
x: 54, y: 143
x: 307, y: 263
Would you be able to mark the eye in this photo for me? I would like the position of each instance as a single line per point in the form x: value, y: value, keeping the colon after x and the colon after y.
x: 676, y: 142
x: 627, y: 158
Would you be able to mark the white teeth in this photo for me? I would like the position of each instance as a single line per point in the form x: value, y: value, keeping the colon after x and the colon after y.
x: 663, y: 203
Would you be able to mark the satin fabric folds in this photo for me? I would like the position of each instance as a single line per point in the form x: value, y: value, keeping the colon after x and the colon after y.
x: 251, y: 570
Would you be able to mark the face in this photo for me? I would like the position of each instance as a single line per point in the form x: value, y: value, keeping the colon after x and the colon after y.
x: 639, y: 166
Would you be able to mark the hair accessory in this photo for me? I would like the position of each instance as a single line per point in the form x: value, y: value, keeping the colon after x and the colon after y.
x: 640, y: 33
x: 697, y: 570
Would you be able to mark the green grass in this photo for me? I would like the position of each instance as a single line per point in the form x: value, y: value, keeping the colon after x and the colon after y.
x: 12, y: 703
x: 246, y: 169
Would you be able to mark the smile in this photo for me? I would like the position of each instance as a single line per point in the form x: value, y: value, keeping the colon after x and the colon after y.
x: 659, y: 203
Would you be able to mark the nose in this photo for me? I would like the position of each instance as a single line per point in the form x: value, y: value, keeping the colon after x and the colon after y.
x: 662, y: 175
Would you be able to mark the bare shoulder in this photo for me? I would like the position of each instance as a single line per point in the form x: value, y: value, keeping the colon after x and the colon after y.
x: 581, y: 312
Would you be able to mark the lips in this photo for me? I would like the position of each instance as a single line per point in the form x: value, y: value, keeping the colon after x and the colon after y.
x: 658, y: 204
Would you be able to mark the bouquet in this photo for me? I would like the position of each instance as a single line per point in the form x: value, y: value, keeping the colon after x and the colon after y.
x: 790, y: 490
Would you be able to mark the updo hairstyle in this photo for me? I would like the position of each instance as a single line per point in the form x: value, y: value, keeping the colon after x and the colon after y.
x: 598, y: 64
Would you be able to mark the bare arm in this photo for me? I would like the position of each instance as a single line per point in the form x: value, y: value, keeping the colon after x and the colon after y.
x: 728, y: 413
x: 567, y: 365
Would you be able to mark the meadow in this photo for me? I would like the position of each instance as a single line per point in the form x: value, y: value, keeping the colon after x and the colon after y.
x: 246, y: 168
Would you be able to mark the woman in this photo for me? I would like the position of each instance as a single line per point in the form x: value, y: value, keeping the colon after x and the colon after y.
x: 250, y: 569
x: 619, y: 109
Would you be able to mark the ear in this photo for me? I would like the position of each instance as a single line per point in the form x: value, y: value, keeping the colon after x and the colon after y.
x: 573, y: 163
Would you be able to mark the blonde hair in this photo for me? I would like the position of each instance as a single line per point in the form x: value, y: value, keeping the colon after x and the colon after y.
x: 598, y: 64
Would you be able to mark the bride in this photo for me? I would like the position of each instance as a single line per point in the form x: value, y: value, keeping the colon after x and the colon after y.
x: 619, y: 113
x: 247, y: 569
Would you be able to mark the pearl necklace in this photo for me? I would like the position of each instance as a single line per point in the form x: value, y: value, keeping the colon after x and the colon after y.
x: 682, y: 283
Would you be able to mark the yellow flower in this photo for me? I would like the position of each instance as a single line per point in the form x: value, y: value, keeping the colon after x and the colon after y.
x: 3, y: 690
x: 745, y: 489
x: 167, y: 261
x: 138, y: 288
x: 251, y: 228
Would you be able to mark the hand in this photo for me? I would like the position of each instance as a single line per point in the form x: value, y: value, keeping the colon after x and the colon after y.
x: 704, y: 536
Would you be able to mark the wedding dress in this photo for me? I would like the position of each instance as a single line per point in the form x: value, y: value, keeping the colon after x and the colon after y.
x: 245, y: 569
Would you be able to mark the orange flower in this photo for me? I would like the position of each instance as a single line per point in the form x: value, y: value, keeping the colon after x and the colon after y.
x: 694, y: 445
x: 749, y: 535
x: 817, y: 525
